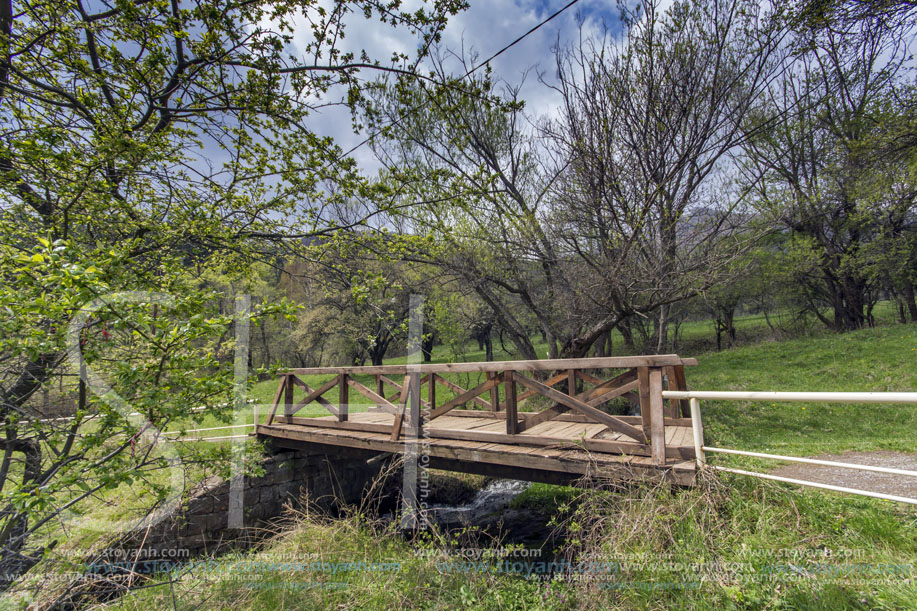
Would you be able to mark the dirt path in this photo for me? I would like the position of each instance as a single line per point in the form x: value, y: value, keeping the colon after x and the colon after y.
x: 886, y: 483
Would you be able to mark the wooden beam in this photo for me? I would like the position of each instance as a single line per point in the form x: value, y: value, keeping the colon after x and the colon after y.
x: 643, y: 376
x: 682, y: 384
x: 573, y: 461
x: 566, y: 417
x: 512, y: 419
x: 489, y: 437
x: 615, y: 382
x: 585, y: 377
x: 612, y: 393
x: 657, y: 424
x: 607, y: 419
x: 288, y: 396
x: 558, y: 409
x: 456, y: 388
x: 466, y: 396
x: 611, y: 362
x: 315, y: 394
x: 344, y: 397
x: 276, y: 402
x: 399, y: 415
x: 381, y: 401
x: 494, y: 395
x: 560, y: 377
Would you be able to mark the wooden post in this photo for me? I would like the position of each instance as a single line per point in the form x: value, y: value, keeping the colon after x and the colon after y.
x: 674, y: 405
x: 343, y: 389
x: 402, y: 407
x: 431, y: 391
x: 643, y: 377
x: 571, y: 382
x: 697, y: 427
x: 494, y: 395
x: 657, y: 417
x: 288, y: 397
x: 380, y: 387
x: 682, y: 384
x: 414, y: 395
x: 512, y: 422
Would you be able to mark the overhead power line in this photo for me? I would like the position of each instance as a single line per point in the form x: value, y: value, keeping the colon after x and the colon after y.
x: 520, y: 39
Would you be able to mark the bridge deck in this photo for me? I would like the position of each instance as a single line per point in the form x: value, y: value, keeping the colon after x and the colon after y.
x: 544, y: 420
x: 552, y: 451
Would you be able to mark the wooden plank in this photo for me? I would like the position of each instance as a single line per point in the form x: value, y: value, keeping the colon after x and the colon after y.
x: 456, y: 388
x: 573, y: 403
x: 415, y: 421
x: 613, y: 393
x: 537, y: 458
x: 613, y: 383
x: 344, y: 397
x: 568, y: 417
x: 431, y: 390
x: 399, y: 415
x: 643, y: 376
x: 657, y: 424
x: 543, y: 416
x: 611, y: 362
x: 560, y: 377
x: 315, y: 394
x: 682, y: 384
x: 466, y: 396
x: 317, y: 397
x: 557, y: 409
x: 494, y: 395
x: 288, y: 396
x: 585, y: 377
x: 381, y: 401
x: 512, y: 418
x: 593, y: 445
x: 280, y: 388
x: 349, y: 425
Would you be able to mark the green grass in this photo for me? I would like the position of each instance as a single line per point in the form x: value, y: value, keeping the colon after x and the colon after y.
x: 758, y: 525
x: 731, y: 543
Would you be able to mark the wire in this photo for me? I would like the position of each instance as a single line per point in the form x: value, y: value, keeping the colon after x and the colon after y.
x: 520, y: 39
x: 470, y: 72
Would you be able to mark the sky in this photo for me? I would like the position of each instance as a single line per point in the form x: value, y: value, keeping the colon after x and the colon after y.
x: 484, y: 28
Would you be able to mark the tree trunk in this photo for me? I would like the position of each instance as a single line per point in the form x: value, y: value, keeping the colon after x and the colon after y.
x: 661, y: 329
x: 15, y: 560
x: 908, y: 291
x: 627, y: 334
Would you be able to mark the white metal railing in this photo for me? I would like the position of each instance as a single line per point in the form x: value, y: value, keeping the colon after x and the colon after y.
x: 828, y: 397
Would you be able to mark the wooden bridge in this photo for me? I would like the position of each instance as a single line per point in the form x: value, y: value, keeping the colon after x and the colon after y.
x: 536, y: 420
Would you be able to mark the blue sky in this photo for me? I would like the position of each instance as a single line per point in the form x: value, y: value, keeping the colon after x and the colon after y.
x: 485, y: 28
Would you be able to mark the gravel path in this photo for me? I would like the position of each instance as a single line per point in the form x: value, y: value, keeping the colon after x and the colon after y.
x: 886, y: 483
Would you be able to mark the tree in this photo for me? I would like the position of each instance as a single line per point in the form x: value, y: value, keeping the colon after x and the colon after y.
x: 830, y: 175
x: 648, y: 128
x: 141, y: 143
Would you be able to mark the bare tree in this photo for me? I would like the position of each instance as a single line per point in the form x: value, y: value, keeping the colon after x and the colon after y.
x: 650, y: 123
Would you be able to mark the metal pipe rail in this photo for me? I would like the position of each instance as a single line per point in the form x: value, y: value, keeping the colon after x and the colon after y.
x: 825, y: 397
x: 829, y: 397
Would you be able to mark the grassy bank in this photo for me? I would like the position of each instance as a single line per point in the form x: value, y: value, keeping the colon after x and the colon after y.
x: 731, y: 543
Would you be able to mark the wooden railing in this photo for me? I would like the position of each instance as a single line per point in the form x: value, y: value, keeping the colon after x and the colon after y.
x: 574, y: 387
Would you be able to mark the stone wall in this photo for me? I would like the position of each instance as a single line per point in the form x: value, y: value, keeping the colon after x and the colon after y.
x: 202, y: 524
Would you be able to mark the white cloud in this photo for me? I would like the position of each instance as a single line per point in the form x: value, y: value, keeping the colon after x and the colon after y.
x: 485, y: 28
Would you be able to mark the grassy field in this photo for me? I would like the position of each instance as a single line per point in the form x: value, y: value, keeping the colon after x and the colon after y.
x: 730, y: 543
